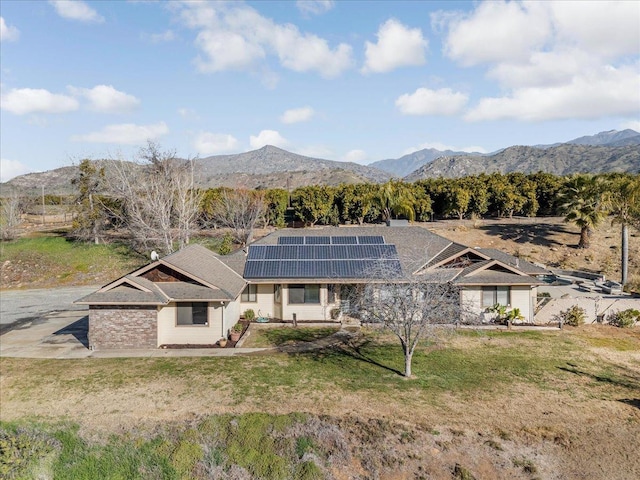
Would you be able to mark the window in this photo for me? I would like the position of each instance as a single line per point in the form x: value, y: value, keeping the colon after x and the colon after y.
x: 304, y: 294
x: 250, y: 294
x: 493, y: 295
x: 277, y: 293
x: 196, y: 313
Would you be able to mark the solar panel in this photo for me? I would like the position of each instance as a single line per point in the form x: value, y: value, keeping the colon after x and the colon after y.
x: 320, y: 240
x: 344, y: 240
x: 370, y: 239
x: 290, y: 240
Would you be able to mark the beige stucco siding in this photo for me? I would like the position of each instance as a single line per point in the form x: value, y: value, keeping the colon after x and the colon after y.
x: 521, y: 297
x: 171, y: 333
x: 264, y: 304
x: 306, y: 311
x: 232, y: 312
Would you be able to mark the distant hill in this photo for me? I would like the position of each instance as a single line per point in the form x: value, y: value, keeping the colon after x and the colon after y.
x: 611, y: 138
x: 400, y: 167
x: 560, y: 160
x: 268, y: 167
x: 271, y: 167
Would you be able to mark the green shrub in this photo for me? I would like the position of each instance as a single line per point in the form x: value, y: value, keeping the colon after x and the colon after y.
x: 625, y: 318
x: 573, y: 316
x: 226, y: 246
x: 249, y: 314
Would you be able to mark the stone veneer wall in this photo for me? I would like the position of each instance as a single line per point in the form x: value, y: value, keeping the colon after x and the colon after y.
x: 123, y: 327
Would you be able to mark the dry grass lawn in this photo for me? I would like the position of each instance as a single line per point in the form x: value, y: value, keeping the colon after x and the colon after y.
x: 544, y: 404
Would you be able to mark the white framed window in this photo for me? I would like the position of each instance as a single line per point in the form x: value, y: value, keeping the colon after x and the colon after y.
x: 496, y: 295
x: 192, y: 313
x: 299, y: 293
x: 250, y: 293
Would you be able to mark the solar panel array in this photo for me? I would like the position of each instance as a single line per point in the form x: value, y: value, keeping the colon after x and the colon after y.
x: 332, y: 240
x: 317, y: 257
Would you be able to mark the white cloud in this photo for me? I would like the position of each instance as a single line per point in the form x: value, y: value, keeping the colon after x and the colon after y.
x: 207, y: 143
x: 604, y: 27
x: 632, y: 124
x: 188, y: 113
x: 8, y: 33
x: 268, y: 137
x: 225, y: 50
x: 497, y: 31
x: 106, y: 99
x: 357, y: 156
x: 166, y: 36
x: 315, y: 7
x: 236, y: 37
x: 398, y: 46
x: 443, y: 147
x: 76, y: 10
x: 551, y: 60
x: 432, y: 102
x: 22, y: 101
x: 125, y: 134
x: 11, y: 168
x: 297, y: 115
x: 607, y: 92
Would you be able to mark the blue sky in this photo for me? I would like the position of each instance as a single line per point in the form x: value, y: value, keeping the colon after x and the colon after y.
x: 342, y: 80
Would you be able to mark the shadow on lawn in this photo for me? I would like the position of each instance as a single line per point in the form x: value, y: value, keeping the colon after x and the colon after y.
x: 347, y: 345
x: 624, y: 380
x: 634, y: 402
x: 540, y: 234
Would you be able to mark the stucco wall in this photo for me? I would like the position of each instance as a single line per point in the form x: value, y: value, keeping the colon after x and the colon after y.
x: 122, y: 327
x: 169, y: 333
x: 264, y: 303
x: 521, y: 297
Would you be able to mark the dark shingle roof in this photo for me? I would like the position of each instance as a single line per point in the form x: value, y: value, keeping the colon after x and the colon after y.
x: 492, y: 277
x: 508, y: 259
x: 200, y: 262
x: 187, y: 291
x: 126, y: 291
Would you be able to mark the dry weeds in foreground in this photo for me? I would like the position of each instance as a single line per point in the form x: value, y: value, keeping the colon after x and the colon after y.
x: 582, y: 423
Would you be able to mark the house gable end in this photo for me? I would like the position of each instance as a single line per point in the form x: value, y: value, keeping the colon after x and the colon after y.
x: 163, y: 273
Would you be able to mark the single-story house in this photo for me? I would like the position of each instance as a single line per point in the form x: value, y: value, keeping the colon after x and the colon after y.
x: 194, y: 296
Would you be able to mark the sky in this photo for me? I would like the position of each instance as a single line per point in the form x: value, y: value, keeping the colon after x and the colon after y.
x: 341, y: 80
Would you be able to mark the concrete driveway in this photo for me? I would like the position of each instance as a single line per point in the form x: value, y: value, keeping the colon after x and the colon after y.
x: 21, y: 307
x: 44, y: 323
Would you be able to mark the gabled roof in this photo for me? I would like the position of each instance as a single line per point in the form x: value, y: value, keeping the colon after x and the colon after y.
x: 126, y: 290
x: 492, y: 277
x: 212, y: 279
x: 521, y: 264
x: 450, y: 253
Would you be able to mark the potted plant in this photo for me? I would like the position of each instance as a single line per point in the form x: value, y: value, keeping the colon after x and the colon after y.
x: 236, y: 332
x: 249, y: 314
x: 222, y: 342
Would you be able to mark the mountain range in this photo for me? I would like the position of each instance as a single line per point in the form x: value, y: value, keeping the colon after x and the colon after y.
x: 272, y: 167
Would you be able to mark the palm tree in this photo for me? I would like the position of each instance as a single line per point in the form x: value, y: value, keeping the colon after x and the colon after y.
x: 583, y: 205
x: 623, y: 201
x: 395, y: 198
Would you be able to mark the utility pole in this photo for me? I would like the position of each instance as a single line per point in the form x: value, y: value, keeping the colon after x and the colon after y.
x: 43, y: 204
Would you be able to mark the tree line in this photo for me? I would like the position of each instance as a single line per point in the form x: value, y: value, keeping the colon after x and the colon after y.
x: 154, y: 200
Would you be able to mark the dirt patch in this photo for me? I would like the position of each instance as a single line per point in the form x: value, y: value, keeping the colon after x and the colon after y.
x: 549, y: 241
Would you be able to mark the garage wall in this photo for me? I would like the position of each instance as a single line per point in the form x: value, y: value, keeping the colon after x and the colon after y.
x: 122, y: 327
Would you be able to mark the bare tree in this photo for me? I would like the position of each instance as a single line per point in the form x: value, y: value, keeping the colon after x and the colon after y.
x: 158, y: 198
x: 413, y: 309
x: 10, y: 215
x: 240, y: 210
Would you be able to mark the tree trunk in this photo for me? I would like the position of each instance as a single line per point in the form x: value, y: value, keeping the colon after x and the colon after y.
x: 408, y: 355
x: 625, y: 253
x: 584, y: 238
